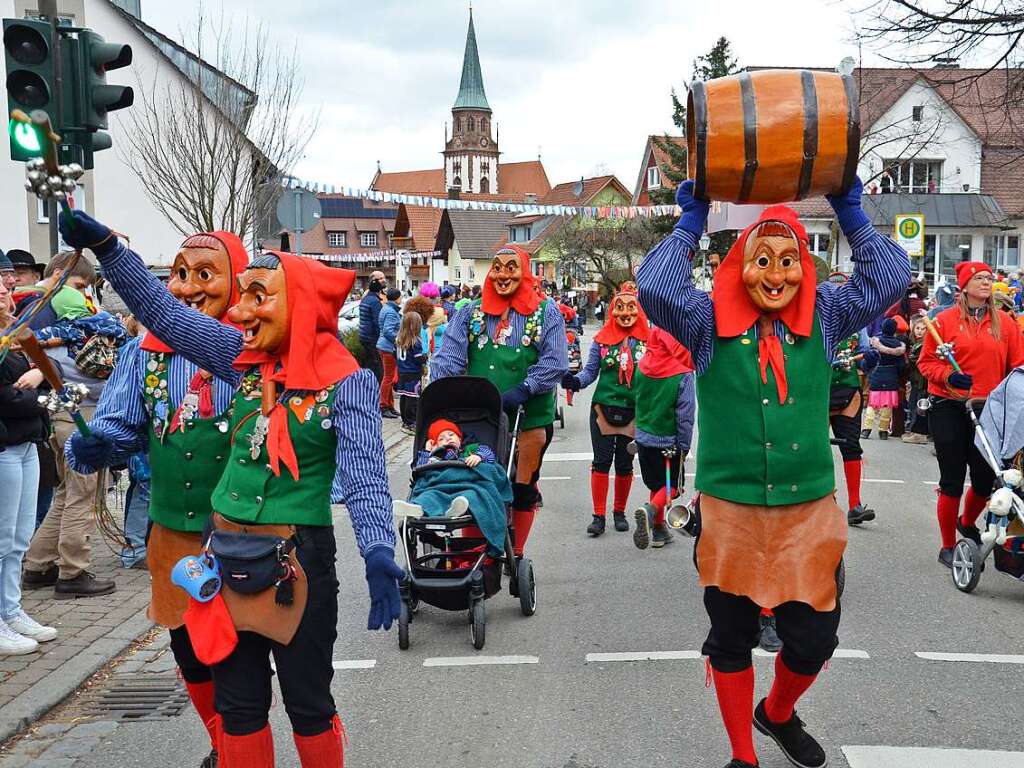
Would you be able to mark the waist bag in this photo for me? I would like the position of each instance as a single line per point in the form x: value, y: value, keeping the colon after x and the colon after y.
x: 251, y: 563
x: 618, y: 416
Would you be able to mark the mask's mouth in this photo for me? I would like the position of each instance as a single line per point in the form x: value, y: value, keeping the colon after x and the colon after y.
x: 772, y: 291
x: 503, y: 284
x: 196, y: 301
x: 249, y: 334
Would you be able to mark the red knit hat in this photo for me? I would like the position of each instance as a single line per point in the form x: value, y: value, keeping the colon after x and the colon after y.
x: 965, y: 270
x: 439, y: 426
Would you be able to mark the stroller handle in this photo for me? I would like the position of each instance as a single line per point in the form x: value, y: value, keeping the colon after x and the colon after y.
x: 990, y: 455
x: 515, y: 438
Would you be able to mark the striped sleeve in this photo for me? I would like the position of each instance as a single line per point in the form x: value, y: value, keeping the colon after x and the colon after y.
x: 544, y: 375
x: 592, y: 368
x: 452, y: 358
x: 670, y: 299
x: 361, y: 478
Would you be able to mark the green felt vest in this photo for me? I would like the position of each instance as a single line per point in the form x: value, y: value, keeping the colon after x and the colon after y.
x: 249, y: 492
x: 752, y: 449
x: 506, y: 366
x: 609, y: 390
x: 656, y: 403
x: 850, y: 378
x: 186, y: 464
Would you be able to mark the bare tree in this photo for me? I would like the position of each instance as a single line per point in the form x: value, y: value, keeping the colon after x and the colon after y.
x: 212, y: 144
x: 603, y: 251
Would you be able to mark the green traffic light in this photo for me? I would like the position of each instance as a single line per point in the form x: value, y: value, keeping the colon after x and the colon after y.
x: 26, y: 137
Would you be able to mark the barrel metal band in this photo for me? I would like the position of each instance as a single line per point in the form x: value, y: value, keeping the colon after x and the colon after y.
x: 852, y: 131
x: 810, y: 132
x: 749, y: 103
x: 700, y: 130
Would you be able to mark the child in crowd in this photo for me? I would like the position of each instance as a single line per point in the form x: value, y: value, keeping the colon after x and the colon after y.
x: 411, y: 358
x: 77, y: 323
x: 917, y: 421
x: 884, y: 381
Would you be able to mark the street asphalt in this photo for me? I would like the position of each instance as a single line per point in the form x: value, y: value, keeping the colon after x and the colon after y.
x: 540, y: 703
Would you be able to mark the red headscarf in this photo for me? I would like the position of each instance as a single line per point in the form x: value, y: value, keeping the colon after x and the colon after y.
x: 735, y: 313
x: 526, y: 298
x: 238, y: 257
x: 664, y: 356
x: 311, y: 357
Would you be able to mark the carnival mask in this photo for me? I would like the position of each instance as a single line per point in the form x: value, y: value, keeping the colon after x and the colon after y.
x: 201, y: 275
x: 262, y: 310
x: 506, y: 273
x: 772, y: 272
x: 625, y: 310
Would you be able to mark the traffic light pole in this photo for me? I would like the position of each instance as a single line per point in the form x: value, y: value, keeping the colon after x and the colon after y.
x: 48, y: 9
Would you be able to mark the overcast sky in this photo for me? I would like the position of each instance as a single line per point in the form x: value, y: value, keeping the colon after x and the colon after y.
x: 585, y: 81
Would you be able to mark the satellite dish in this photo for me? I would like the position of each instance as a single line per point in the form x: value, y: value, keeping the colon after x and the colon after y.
x: 846, y: 66
x: 577, y: 189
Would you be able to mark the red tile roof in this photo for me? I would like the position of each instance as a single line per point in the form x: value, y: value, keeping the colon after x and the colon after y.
x: 566, y: 194
x: 514, y: 180
x: 411, y: 182
x: 661, y: 159
x: 420, y: 223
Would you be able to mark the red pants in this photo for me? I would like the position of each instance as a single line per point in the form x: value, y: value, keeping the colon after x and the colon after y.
x: 387, y: 384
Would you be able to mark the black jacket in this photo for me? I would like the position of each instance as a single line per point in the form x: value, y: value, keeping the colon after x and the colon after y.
x: 22, y: 419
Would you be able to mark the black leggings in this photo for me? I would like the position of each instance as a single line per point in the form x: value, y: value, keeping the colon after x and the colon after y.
x: 242, y: 690
x: 192, y: 669
x: 608, y: 447
x: 953, y: 434
x: 652, y: 468
x: 808, y: 636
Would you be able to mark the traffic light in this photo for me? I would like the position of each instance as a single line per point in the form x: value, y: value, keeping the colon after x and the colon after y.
x: 93, y: 96
x: 28, y: 56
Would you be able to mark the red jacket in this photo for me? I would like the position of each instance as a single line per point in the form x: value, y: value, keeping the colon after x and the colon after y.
x: 985, y: 358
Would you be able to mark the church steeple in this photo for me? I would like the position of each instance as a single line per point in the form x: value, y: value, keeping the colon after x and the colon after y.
x: 471, y: 89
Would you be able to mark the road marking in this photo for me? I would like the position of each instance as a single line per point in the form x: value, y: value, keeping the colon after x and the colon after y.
x: 839, y: 653
x: 930, y: 482
x: 568, y: 456
x: 924, y: 757
x: 556, y: 478
x: 988, y: 658
x: 893, y: 482
x: 354, y: 663
x: 478, y: 661
x: 645, y: 656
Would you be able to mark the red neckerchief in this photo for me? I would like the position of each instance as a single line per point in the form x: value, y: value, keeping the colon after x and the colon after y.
x: 201, y: 386
x: 524, y: 301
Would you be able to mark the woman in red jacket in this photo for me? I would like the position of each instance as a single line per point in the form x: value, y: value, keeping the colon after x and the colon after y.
x: 987, y: 345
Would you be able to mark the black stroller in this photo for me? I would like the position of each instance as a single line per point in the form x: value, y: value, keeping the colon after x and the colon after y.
x: 446, y: 567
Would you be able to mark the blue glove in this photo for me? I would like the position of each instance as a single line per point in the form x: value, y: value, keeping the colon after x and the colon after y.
x: 870, y: 360
x: 96, y: 450
x: 382, y: 577
x: 847, y: 207
x: 515, y: 397
x: 571, y: 382
x: 86, y: 232
x: 695, y: 212
x: 960, y: 380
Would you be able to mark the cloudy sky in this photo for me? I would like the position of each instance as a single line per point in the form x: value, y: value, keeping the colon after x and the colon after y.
x: 582, y: 81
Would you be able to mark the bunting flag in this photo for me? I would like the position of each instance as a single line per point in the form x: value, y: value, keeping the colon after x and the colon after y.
x: 588, y: 212
x: 373, y: 256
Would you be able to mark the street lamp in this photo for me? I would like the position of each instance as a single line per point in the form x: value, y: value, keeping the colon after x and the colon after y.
x: 705, y: 242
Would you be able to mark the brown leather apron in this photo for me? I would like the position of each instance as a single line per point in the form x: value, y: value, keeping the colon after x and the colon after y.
x: 260, y: 613
x: 165, y: 548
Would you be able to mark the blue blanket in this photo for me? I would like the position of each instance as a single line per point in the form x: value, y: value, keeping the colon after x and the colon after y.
x: 486, y: 488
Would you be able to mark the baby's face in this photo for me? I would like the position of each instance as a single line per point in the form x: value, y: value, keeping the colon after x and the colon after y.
x: 448, y: 439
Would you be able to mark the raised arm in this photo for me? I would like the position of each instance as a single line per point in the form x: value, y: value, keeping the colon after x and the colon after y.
x: 452, y: 358
x: 592, y: 369
x: 544, y: 375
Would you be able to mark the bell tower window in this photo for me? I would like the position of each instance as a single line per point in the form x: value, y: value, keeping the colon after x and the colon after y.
x: 485, y: 185
x: 483, y: 124
x: 458, y: 125
x: 470, y: 126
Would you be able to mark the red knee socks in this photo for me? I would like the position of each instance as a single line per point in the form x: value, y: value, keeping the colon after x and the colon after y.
x: 254, y: 750
x: 599, y: 491
x: 622, y: 485
x: 852, y: 471
x: 202, y: 699
x: 787, y: 688
x: 325, y: 750
x: 658, y: 500
x: 522, y: 519
x: 973, y: 504
x: 735, y: 692
x: 948, y: 509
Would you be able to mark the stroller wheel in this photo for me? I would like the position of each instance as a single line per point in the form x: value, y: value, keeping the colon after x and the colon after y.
x: 967, y: 563
x: 527, y: 587
x: 403, y: 627
x: 478, y: 623
x: 840, y: 578
x: 513, y: 583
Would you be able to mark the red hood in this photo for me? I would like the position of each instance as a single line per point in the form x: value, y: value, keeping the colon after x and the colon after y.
x: 526, y: 298
x: 612, y: 333
x: 664, y: 356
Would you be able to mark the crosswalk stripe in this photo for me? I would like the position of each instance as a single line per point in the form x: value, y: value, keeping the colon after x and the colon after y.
x: 354, y: 663
x: 548, y: 457
x: 644, y: 656
x: 925, y: 757
x: 879, y: 480
x: 478, y: 661
x: 555, y: 478
x: 989, y: 658
x: 840, y: 653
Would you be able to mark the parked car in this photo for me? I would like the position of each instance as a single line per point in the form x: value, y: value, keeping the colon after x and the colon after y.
x: 348, y: 318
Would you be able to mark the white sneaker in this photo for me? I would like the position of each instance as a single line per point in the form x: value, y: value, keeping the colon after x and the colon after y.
x: 13, y: 644
x: 25, y: 625
x: 458, y: 507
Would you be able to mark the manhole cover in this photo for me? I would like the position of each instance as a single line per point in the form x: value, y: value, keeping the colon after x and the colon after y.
x: 137, y: 698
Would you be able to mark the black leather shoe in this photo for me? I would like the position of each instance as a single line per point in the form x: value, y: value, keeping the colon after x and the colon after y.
x: 769, y: 638
x: 969, y: 532
x: 210, y: 761
x: 740, y: 764
x: 860, y: 514
x: 620, y: 521
x: 797, y: 745
x: 83, y: 585
x: 387, y: 414
x: 946, y: 557
x: 596, y: 527
x: 39, y: 579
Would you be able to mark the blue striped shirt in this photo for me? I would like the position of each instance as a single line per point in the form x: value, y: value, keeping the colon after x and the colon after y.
x: 881, y: 274
x: 360, y: 480
x: 542, y: 376
x: 592, y: 369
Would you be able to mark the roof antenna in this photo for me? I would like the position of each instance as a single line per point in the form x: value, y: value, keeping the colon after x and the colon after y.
x: 538, y: 153
x: 378, y: 166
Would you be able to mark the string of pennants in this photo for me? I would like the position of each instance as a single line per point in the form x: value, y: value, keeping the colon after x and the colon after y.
x: 374, y: 256
x: 589, y: 212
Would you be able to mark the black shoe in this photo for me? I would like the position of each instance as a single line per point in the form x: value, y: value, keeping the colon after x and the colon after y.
x: 883, y: 435
x: 596, y: 527
x: 969, y: 532
x: 860, y: 514
x: 387, y: 413
x: 620, y: 521
x: 83, y: 585
x: 797, y: 744
x: 734, y: 763
x: 644, y: 523
x: 210, y: 761
x: 39, y: 579
x: 865, y: 434
x: 946, y: 557
x: 769, y: 638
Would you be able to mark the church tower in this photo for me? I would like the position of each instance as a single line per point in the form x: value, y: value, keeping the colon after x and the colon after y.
x: 471, y: 153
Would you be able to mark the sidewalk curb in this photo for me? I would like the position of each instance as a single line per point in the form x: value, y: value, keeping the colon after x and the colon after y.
x: 51, y: 690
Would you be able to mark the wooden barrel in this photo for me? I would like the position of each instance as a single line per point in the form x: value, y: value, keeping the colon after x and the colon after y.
x: 772, y: 136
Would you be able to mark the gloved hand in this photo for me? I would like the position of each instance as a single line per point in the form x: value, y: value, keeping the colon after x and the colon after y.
x: 870, y: 360
x: 695, y: 211
x: 515, y: 397
x: 382, y: 577
x: 86, y: 232
x: 571, y: 382
x: 847, y: 207
x: 960, y: 380
x: 96, y: 450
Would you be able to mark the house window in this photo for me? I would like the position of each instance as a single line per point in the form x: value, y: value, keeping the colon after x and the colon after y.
x: 952, y: 250
x: 519, y: 234
x: 917, y: 176
x: 918, y: 114
x: 818, y: 243
x: 368, y: 239
x: 337, y: 239
x: 653, y: 177
x: 1002, y: 251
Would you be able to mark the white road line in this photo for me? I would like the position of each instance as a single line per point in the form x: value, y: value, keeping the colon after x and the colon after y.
x: 930, y: 482
x: 568, y: 457
x: 478, y: 661
x: 645, y: 656
x: 923, y: 757
x: 354, y: 663
x: 840, y: 653
x: 892, y: 482
x: 556, y: 478
x: 987, y: 658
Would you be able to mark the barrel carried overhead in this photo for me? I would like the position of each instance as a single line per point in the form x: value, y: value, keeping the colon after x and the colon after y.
x: 772, y: 136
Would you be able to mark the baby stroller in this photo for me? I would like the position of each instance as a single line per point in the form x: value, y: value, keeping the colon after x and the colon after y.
x: 447, y: 560
x: 999, y: 435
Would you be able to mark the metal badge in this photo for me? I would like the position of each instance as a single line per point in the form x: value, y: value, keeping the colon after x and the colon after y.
x: 258, y: 436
